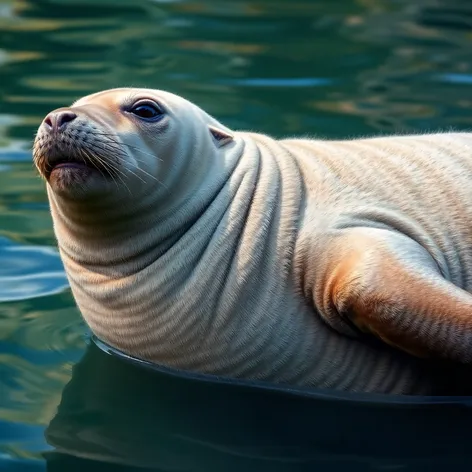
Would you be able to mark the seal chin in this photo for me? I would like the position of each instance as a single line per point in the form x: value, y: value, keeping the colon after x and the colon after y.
x: 74, y: 179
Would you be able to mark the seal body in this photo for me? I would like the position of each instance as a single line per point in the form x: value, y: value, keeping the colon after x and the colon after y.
x: 232, y: 253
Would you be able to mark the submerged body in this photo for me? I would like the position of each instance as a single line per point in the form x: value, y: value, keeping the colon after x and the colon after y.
x: 235, y: 254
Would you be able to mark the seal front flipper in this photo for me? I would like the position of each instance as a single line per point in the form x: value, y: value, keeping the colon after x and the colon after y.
x: 388, y: 285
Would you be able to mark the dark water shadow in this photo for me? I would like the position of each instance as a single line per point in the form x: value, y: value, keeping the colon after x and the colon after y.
x: 116, y: 415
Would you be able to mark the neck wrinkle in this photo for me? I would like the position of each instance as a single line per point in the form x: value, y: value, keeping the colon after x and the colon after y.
x: 210, y: 302
x: 120, y: 237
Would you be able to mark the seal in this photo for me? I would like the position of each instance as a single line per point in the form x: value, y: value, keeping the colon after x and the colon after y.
x: 232, y: 253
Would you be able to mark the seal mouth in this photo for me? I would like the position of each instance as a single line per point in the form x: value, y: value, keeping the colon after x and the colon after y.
x: 56, y: 157
x: 69, y: 164
x: 66, y: 163
x: 56, y: 162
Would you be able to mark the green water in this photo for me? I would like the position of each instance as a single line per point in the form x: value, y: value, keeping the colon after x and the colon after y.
x: 334, y: 68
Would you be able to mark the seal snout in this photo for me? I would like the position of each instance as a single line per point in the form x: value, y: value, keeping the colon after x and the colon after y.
x: 71, y: 146
x: 60, y: 142
x: 58, y: 120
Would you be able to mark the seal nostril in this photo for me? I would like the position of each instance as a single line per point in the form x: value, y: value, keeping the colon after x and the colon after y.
x: 57, y: 120
x: 48, y: 121
x: 65, y: 117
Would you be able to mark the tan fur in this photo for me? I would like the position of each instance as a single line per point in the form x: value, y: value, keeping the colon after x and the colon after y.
x: 240, y: 257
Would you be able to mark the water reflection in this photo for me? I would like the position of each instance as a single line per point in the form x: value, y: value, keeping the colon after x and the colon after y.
x: 210, y: 51
x: 114, y: 412
x: 388, y: 66
x: 423, y: 80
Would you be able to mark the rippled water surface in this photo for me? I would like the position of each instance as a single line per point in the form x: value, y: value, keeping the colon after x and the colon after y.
x: 320, y: 67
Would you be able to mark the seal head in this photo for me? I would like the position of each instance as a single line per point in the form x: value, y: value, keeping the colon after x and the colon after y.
x: 120, y: 138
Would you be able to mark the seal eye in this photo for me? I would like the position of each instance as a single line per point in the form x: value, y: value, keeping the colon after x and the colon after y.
x: 147, y: 111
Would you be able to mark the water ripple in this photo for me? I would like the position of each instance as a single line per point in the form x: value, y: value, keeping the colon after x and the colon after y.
x: 279, y: 82
x: 13, y: 154
x: 29, y: 272
x: 455, y: 78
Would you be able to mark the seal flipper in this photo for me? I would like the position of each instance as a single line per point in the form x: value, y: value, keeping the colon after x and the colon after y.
x: 221, y: 137
x: 388, y: 285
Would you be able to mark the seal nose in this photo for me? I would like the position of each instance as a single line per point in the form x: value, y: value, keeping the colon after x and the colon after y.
x: 57, y: 120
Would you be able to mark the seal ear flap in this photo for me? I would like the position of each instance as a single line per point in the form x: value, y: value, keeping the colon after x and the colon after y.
x: 220, y: 137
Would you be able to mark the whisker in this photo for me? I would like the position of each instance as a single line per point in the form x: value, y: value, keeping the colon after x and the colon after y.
x: 118, y: 143
x: 112, y: 170
x: 117, y: 169
x: 112, y: 146
x: 153, y: 177
x: 130, y: 171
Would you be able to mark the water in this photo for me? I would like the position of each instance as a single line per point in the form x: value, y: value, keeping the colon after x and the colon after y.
x: 333, y: 69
